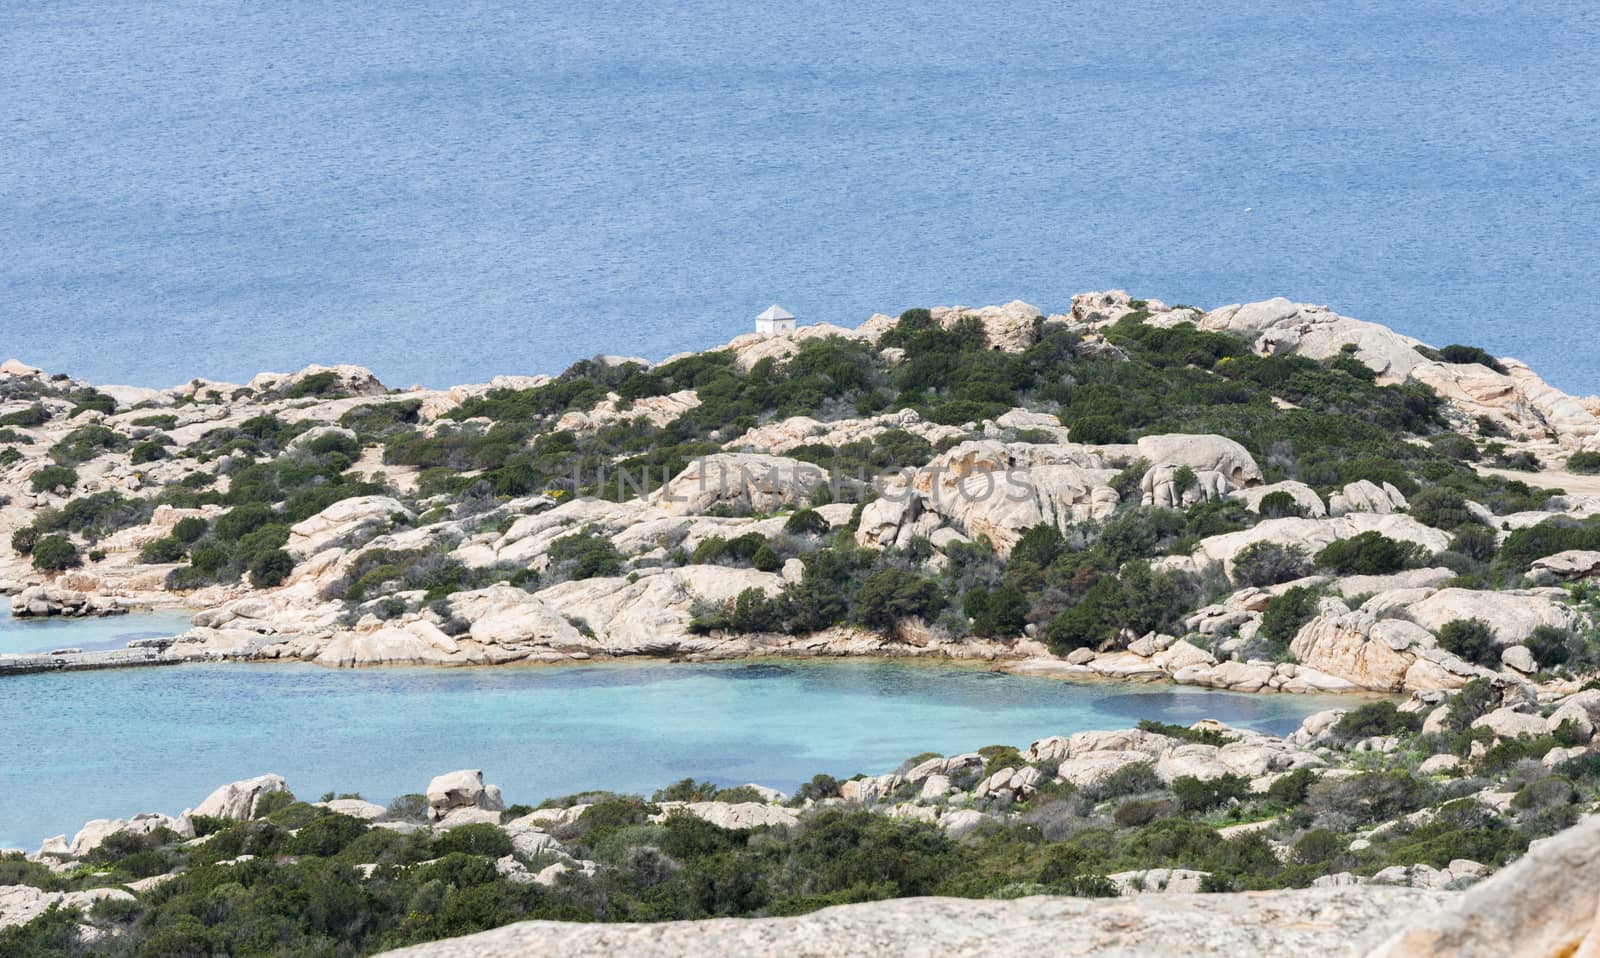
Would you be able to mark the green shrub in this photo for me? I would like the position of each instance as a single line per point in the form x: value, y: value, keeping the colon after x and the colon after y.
x: 1001, y: 613
x: 1097, y: 431
x: 52, y: 477
x: 270, y: 569
x: 1472, y: 640
x: 1440, y: 507
x: 1553, y: 647
x: 163, y: 551
x: 1132, y: 779
x: 1474, y: 541
x: 54, y: 553
x: 1376, y: 718
x: 1584, y: 463
x: 586, y: 555
x: 1199, y: 795
x: 87, y: 442
x: 325, y: 384
x: 1287, y: 614
x: 1291, y: 788
x: 806, y: 522
x: 1200, y: 736
x: 1039, y: 546
x: 1370, y: 553
x: 891, y: 594
x: 147, y: 452
x: 1264, y: 564
x: 1137, y: 600
x: 1136, y: 812
x: 189, y: 529
x: 766, y: 559
x: 819, y: 788
x: 24, y: 539
x: 327, y: 835
x: 1469, y: 355
x: 34, y: 415
x: 1280, y: 505
x: 479, y: 839
x: 1369, y: 797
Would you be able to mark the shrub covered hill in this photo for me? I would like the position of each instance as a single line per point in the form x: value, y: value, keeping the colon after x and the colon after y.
x: 1267, y: 497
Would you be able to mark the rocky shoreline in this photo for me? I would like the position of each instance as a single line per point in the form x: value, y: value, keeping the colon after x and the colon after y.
x: 322, y: 517
x: 1185, y: 810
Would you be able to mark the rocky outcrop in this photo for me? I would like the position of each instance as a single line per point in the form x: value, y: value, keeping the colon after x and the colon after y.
x: 454, y: 791
x: 93, y: 834
x: 20, y: 904
x: 989, y: 489
x: 1517, y: 401
x: 779, y: 437
x: 1569, y: 565
x: 1312, y: 535
x: 1543, y: 906
x: 658, y: 411
x: 744, y: 482
x: 347, y: 379
x: 346, y: 521
x: 1305, y: 498
x: 1511, y: 616
x: 1319, y: 923
x: 1365, y: 496
x: 650, y: 613
x: 44, y: 601
x: 239, y: 800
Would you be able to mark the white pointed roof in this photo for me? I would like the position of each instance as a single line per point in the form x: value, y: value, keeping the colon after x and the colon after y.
x: 775, y: 312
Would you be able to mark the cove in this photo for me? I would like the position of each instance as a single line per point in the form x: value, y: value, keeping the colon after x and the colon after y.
x: 92, y: 634
x: 112, y: 743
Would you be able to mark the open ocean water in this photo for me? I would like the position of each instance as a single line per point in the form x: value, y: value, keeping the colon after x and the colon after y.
x: 448, y: 191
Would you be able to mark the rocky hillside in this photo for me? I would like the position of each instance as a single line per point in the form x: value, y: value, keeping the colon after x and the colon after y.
x: 1262, y: 497
x: 1341, y: 835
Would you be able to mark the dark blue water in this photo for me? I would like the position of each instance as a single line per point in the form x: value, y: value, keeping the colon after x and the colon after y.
x: 109, y: 744
x: 445, y: 191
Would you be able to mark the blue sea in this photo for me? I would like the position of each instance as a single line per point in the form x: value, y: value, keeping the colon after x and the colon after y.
x: 89, y: 745
x: 448, y: 191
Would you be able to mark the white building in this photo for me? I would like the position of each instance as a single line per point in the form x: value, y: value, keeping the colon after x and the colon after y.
x: 775, y: 321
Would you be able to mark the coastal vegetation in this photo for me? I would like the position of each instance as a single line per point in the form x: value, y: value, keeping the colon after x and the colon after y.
x: 292, y: 877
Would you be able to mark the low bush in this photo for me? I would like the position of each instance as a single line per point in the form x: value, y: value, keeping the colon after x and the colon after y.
x: 54, y: 553
x: 1287, y: 614
x: 1472, y: 639
x: 1370, y: 553
x: 1264, y: 564
x: 1584, y: 463
x: 1376, y: 718
x: 1280, y: 505
x: 585, y: 555
x: 50, y: 478
x: 1199, y: 795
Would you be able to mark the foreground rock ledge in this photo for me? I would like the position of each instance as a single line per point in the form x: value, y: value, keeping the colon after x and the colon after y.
x: 1321, y: 922
x: 1541, y: 907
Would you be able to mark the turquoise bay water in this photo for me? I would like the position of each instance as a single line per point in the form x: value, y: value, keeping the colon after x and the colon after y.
x: 444, y: 191
x: 112, y: 743
x: 112, y: 632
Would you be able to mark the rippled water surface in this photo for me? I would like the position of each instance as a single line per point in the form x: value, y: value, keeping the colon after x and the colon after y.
x: 111, y: 632
x: 444, y: 191
x: 102, y: 744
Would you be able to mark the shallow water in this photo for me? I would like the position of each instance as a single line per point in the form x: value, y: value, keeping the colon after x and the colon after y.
x: 444, y: 191
x: 108, y: 744
x: 110, y: 632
